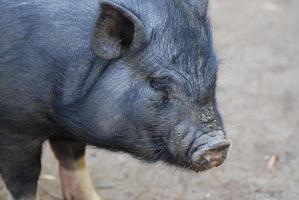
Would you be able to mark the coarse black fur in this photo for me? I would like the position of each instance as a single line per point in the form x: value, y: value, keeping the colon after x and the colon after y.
x: 67, y: 73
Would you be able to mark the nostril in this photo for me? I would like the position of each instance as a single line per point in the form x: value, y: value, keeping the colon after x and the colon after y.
x: 211, y: 160
x: 208, y: 158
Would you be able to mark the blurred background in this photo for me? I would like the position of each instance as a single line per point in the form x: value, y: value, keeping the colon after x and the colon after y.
x: 258, y: 92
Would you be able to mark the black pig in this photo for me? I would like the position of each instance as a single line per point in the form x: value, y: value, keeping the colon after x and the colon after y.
x: 136, y: 76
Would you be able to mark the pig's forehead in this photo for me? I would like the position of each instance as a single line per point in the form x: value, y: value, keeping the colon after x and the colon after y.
x: 181, y: 39
x: 180, y: 31
x: 153, y: 12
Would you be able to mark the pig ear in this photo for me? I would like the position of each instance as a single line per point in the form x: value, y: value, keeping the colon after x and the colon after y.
x: 117, y: 30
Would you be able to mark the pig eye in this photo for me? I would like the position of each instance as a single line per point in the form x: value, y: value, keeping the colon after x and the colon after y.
x: 160, y: 84
x: 163, y: 86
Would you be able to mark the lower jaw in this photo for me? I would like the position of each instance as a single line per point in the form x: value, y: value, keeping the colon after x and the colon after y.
x: 189, y: 165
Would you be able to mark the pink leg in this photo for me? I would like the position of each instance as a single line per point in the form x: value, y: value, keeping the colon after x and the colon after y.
x: 75, y: 180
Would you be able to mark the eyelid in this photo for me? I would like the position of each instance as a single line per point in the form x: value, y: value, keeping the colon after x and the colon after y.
x: 163, y: 79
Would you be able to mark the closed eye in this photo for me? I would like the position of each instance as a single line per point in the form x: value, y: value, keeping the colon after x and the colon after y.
x: 160, y: 84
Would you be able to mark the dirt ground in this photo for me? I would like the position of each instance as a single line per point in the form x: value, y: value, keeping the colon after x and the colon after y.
x: 258, y: 91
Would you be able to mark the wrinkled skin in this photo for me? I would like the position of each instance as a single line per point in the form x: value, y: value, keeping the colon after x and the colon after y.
x: 134, y: 76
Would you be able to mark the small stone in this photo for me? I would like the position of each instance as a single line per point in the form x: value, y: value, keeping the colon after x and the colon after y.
x: 208, y: 195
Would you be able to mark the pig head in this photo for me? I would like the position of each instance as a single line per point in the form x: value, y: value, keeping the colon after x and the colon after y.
x: 150, y: 90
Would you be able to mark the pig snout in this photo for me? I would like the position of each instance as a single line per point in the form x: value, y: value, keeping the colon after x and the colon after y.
x: 199, y: 150
x: 208, y: 150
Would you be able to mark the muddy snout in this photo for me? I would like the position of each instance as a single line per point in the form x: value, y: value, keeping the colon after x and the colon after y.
x: 209, y: 150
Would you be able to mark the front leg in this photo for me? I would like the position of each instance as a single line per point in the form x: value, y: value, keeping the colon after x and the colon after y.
x: 75, y: 180
x: 20, y: 168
